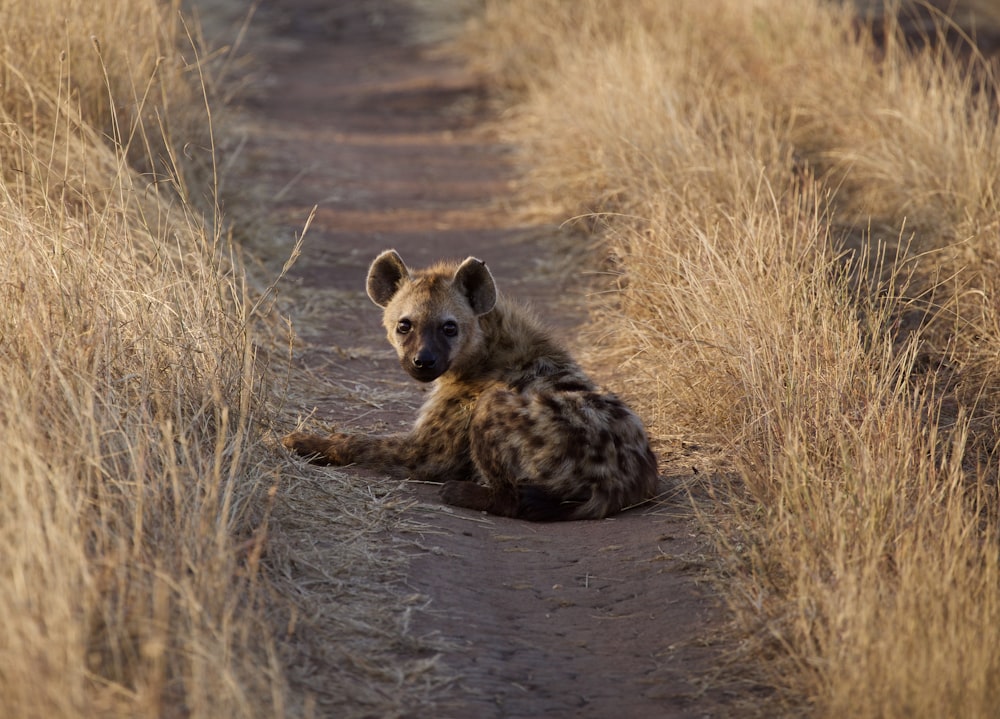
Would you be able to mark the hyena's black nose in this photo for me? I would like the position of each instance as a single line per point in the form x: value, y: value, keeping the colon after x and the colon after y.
x: 425, y: 360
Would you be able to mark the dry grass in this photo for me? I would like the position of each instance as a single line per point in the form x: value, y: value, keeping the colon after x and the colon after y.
x: 127, y: 383
x: 803, y: 227
x: 158, y: 558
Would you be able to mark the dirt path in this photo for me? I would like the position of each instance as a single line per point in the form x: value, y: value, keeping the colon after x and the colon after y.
x: 593, y: 619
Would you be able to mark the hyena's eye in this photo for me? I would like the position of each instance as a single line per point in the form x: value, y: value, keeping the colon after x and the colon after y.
x: 450, y: 328
x: 403, y: 326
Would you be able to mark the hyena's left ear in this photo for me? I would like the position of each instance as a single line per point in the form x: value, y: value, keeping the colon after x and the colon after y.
x: 475, y: 282
x: 384, y: 277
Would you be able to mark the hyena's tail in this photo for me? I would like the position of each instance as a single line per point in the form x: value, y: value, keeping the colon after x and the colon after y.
x: 537, y: 504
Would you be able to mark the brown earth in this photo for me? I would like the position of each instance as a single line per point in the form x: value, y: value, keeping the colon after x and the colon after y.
x: 585, y: 619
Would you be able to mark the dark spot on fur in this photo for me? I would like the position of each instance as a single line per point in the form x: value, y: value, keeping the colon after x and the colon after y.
x: 553, y: 405
x: 598, y: 453
x: 577, y: 439
x: 418, y: 457
x: 539, y: 367
x: 521, y: 383
x: 527, y: 425
x: 570, y: 385
x: 625, y: 465
x: 619, y: 412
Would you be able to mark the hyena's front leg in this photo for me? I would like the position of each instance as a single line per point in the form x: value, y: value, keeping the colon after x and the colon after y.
x: 341, y: 449
x: 427, y: 453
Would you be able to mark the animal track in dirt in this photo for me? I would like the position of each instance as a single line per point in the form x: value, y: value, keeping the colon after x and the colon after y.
x: 581, y: 619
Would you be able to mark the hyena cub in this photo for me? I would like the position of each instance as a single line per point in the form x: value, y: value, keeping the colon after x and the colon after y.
x: 512, y: 426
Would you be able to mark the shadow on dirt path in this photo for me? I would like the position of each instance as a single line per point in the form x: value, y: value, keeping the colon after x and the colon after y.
x: 587, y: 619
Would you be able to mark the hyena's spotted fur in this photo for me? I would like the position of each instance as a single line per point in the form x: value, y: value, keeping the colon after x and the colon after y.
x: 512, y: 426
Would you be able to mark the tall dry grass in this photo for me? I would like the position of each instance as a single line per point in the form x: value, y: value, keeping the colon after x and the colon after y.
x: 130, y: 526
x: 803, y: 223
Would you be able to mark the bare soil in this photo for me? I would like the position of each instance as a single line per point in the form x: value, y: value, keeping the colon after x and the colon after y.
x: 388, y: 141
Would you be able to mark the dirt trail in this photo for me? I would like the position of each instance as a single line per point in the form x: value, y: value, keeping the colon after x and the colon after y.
x: 590, y: 619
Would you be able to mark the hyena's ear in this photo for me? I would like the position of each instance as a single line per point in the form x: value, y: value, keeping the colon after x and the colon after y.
x: 385, y: 276
x: 475, y: 282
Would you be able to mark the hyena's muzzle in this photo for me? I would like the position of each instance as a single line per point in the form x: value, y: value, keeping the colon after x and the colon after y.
x: 425, y: 355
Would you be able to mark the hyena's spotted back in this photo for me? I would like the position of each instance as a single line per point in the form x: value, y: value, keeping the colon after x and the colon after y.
x: 513, y: 426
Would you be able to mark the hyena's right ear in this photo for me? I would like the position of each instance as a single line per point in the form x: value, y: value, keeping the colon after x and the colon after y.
x: 385, y: 276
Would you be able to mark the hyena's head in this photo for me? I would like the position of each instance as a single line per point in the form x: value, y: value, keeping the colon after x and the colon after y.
x: 432, y: 315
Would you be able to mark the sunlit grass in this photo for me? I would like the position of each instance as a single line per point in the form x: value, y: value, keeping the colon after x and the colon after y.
x: 804, y: 222
x: 128, y: 386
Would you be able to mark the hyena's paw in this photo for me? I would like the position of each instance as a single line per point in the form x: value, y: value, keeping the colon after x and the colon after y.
x: 314, y: 447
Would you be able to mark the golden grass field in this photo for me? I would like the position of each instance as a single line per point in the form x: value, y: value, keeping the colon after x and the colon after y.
x: 129, y: 391
x: 804, y: 229
x: 804, y: 224
x: 146, y: 548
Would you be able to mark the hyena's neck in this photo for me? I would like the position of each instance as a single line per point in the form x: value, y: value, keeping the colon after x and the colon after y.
x: 515, y: 343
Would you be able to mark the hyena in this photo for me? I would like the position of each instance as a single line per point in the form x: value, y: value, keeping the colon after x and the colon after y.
x: 512, y: 425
